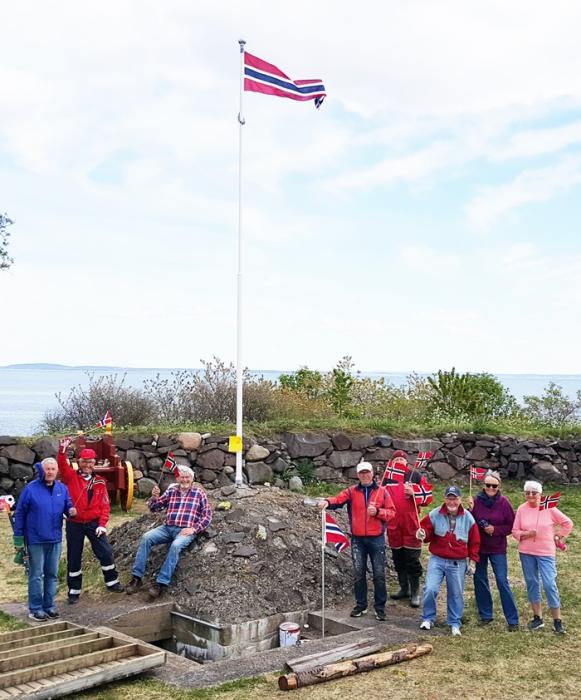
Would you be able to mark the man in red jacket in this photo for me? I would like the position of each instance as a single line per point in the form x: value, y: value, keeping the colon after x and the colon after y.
x: 90, y: 498
x: 369, y: 507
x: 454, y: 539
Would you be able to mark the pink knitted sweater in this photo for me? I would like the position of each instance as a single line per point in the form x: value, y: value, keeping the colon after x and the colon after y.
x: 543, y: 545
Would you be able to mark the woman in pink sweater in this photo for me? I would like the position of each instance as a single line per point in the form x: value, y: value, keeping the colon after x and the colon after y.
x: 534, y: 530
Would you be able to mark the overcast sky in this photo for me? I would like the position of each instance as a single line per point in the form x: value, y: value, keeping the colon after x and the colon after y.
x: 426, y: 216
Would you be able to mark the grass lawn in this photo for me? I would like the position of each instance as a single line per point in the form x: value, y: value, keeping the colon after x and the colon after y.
x: 485, y: 663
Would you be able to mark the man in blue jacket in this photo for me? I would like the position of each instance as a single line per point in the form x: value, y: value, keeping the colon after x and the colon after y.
x: 38, y: 523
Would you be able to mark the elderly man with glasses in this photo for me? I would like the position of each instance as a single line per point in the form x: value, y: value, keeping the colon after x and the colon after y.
x: 453, y: 538
x: 494, y: 516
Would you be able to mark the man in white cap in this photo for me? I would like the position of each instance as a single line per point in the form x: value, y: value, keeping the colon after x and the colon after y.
x: 370, y: 508
x: 188, y: 514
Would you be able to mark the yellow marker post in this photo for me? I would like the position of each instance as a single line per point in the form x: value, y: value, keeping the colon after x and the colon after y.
x: 235, y: 443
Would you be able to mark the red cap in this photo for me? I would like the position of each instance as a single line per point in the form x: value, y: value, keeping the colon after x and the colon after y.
x: 87, y: 453
x: 399, y: 453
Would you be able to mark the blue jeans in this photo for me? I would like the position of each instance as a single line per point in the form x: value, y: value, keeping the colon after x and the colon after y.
x: 374, y: 548
x: 482, y: 588
x: 163, y: 534
x: 536, y: 568
x: 453, y: 570
x: 42, y: 577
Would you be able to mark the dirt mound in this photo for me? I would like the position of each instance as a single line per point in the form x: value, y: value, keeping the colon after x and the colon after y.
x: 260, y: 558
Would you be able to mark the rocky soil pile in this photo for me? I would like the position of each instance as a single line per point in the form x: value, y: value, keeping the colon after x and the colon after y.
x: 260, y: 558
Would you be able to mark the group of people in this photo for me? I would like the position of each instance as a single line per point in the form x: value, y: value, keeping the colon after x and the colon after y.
x: 81, y: 498
x: 461, y: 540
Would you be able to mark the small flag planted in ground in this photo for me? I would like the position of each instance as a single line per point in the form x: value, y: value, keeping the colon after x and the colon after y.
x: 171, y: 465
x: 260, y: 76
x: 423, y: 493
x: 550, y: 501
x: 334, y: 535
x: 106, y: 421
x: 477, y: 473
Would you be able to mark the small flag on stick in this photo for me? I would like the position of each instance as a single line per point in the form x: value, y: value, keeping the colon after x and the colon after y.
x: 106, y: 422
x: 260, y: 76
x: 477, y: 473
x: 422, y: 460
x: 171, y: 465
x: 550, y: 501
x: 394, y: 474
x: 423, y: 493
x: 334, y: 535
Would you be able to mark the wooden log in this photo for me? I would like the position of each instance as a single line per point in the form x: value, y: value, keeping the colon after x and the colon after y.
x: 330, y: 672
x: 341, y: 653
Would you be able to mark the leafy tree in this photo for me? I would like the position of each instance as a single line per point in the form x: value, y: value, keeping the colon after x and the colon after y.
x: 341, y: 386
x: 304, y: 380
x: 553, y: 407
x: 5, y: 259
x: 469, y: 396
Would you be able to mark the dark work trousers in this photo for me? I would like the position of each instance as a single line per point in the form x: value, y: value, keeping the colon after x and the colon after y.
x: 76, y: 533
x: 407, y: 561
x: 361, y: 549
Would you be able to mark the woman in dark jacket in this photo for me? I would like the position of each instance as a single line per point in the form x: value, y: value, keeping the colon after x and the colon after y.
x: 494, y: 515
x: 38, y: 524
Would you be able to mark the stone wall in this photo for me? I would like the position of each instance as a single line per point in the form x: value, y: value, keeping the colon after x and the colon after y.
x: 325, y: 456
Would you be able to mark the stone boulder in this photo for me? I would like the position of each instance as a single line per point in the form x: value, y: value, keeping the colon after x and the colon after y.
x: 7, y: 440
x: 546, y: 471
x: 258, y: 472
x: 144, y: 486
x: 344, y: 459
x: 307, y: 444
x: 417, y: 445
x: 256, y: 453
x: 45, y: 447
x: 124, y: 444
x: 213, y: 459
x: 295, y: 483
x: 442, y: 470
x: 136, y: 458
x: 189, y: 441
x: 326, y: 474
x: 279, y: 466
x: 21, y: 471
x: 341, y: 441
x: 19, y: 453
x: 4, y: 467
x: 206, y: 476
x: 361, y: 442
x: 477, y: 454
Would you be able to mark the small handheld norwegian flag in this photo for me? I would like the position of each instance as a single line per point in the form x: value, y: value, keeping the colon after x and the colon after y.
x: 422, y: 460
x: 394, y: 474
x: 423, y: 493
x: 477, y: 473
x: 550, y: 501
x: 334, y: 535
x: 171, y: 465
x: 106, y: 421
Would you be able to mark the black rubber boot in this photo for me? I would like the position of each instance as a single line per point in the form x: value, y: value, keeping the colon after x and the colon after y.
x: 414, y: 592
x: 404, y: 587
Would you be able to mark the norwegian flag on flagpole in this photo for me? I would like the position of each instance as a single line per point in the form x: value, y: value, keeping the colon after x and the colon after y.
x: 107, y: 420
x: 477, y: 473
x: 260, y: 76
x: 334, y: 535
x: 550, y: 501
x: 423, y: 493
x: 171, y: 465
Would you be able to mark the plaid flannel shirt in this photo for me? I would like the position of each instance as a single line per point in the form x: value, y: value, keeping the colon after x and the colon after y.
x: 184, y: 509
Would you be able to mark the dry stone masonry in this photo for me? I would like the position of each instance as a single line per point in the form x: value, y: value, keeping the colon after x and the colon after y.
x: 323, y: 456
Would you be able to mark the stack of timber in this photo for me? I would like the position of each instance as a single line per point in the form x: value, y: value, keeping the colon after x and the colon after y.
x: 319, y: 668
x: 53, y: 660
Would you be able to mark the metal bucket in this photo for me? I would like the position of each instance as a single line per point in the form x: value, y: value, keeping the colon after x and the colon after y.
x: 289, y: 634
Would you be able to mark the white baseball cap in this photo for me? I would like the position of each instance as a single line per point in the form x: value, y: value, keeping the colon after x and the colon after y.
x: 364, y: 467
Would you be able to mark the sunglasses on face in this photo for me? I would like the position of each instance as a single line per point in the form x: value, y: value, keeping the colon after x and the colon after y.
x: 531, y: 493
x: 491, y: 486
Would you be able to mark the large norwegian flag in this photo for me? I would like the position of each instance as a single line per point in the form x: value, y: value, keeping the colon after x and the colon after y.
x: 423, y: 493
x: 550, y: 501
x: 260, y: 76
x: 334, y: 535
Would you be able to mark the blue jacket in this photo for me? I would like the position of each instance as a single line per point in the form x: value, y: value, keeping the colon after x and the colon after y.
x: 39, y: 512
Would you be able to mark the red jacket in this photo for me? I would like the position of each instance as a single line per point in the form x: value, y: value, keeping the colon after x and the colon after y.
x: 99, y: 507
x: 447, y: 546
x: 358, y: 498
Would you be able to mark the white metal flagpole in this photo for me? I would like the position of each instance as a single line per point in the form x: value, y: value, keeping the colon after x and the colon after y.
x: 239, y: 369
x: 323, y: 574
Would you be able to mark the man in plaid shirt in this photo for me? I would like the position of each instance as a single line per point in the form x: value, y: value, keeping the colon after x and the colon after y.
x: 188, y: 514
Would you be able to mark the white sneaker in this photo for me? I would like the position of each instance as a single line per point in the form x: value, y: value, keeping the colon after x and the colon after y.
x: 426, y: 625
x: 456, y: 631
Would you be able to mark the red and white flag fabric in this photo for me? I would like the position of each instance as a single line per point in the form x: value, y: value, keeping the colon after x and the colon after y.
x: 422, y: 460
x: 550, y: 501
x: 106, y: 421
x: 423, y: 493
x: 334, y: 535
x: 171, y: 465
x: 260, y: 76
x: 394, y: 474
x: 477, y: 473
